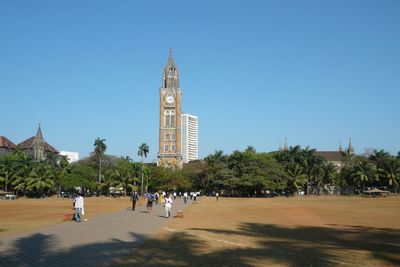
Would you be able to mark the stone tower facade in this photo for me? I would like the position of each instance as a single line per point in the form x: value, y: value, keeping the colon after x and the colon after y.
x: 169, y: 151
x: 38, y: 146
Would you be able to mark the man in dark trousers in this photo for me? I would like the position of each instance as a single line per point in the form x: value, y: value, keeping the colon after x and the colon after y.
x: 134, y: 198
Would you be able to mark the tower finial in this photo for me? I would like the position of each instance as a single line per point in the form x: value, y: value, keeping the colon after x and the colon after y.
x: 350, y: 149
x: 171, y: 52
x: 340, y: 146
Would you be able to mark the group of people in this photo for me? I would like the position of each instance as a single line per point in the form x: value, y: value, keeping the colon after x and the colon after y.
x: 166, y: 199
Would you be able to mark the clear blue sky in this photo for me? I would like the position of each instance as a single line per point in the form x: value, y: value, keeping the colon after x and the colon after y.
x: 255, y: 72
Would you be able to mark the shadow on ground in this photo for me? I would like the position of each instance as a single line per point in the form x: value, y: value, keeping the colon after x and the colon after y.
x: 274, y: 245
x: 37, y: 250
x: 299, y: 246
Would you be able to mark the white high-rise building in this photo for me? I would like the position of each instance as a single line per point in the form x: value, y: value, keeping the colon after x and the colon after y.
x: 72, y: 156
x: 190, y: 141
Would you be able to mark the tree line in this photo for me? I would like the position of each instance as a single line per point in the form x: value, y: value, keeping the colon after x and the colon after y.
x: 241, y: 173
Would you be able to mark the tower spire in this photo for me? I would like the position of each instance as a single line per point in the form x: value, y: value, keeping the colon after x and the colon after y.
x: 39, y: 135
x: 285, y: 147
x: 350, y: 150
x: 170, y: 73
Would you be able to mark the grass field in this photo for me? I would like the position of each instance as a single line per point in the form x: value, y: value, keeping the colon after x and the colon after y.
x: 28, y: 214
x: 299, y: 231
x: 308, y: 231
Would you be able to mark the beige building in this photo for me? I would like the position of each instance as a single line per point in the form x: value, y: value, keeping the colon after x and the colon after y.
x: 170, y: 136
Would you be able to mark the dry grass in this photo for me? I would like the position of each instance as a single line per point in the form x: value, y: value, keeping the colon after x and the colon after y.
x: 308, y: 231
x: 28, y: 214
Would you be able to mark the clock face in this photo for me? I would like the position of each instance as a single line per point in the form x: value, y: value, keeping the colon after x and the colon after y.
x: 169, y: 99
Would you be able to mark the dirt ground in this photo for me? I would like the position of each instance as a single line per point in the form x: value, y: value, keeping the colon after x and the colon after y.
x: 299, y: 231
x: 27, y: 214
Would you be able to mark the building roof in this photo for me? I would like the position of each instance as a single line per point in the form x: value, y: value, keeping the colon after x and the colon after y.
x: 27, y: 144
x: 331, y: 155
x: 5, y: 142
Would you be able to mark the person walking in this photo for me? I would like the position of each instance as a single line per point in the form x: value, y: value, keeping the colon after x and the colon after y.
x: 79, y: 207
x: 216, y: 195
x: 134, y: 198
x: 162, y: 199
x: 168, y: 206
x: 185, y: 197
x: 150, y: 200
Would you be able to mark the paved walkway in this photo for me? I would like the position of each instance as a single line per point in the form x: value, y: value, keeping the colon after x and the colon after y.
x: 97, y: 242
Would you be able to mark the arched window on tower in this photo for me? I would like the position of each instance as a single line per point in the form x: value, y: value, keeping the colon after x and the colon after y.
x: 167, y: 114
x: 173, y: 147
x: 173, y: 119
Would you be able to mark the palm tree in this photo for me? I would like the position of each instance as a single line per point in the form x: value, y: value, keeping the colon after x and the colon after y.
x: 297, y: 178
x: 380, y: 158
x: 142, y: 152
x: 391, y: 173
x: 330, y: 173
x: 147, y: 172
x: 41, y: 178
x: 7, y: 172
x: 136, y: 171
x: 123, y: 178
x: 62, y: 172
x: 363, y: 174
x: 99, y: 150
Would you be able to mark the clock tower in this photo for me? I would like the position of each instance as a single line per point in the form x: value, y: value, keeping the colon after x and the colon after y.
x: 169, y: 151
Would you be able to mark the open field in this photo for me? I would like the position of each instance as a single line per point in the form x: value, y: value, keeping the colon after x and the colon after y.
x: 28, y: 214
x: 299, y: 231
x: 308, y: 231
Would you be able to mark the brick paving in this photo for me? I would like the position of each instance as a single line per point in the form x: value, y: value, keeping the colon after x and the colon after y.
x: 98, y: 242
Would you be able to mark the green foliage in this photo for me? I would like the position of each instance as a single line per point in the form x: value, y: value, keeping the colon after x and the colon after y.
x: 167, y: 180
x: 80, y: 176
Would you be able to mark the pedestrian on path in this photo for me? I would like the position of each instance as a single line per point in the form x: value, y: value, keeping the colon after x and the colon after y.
x: 79, y: 207
x: 185, y: 197
x: 162, y: 199
x: 216, y: 196
x: 150, y: 200
x: 168, y: 206
x: 134, y: 198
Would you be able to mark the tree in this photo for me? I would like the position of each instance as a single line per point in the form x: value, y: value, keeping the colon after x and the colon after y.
x: 8, y: 171
x: 379, y: 158
x: 148, y: 172
x: 297, y: 178
x: 40, y: 179
x: 363, y: 174
x: 62, y: 170
x: 136, y: 170
x: 99, y: 150
x: 123, y: 175
x: 80, y: 176
x: 391, y: 173
x: 142, y: 152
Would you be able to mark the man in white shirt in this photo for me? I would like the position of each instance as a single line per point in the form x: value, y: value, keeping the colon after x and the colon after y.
x: 168, y: 206
x: 79, y: 207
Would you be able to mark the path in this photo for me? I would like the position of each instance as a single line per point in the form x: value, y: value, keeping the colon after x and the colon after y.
x: 97, y: 242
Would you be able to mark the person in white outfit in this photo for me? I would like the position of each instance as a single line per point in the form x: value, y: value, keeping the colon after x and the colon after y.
x: 79, y: 207
x: 168, y: 206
